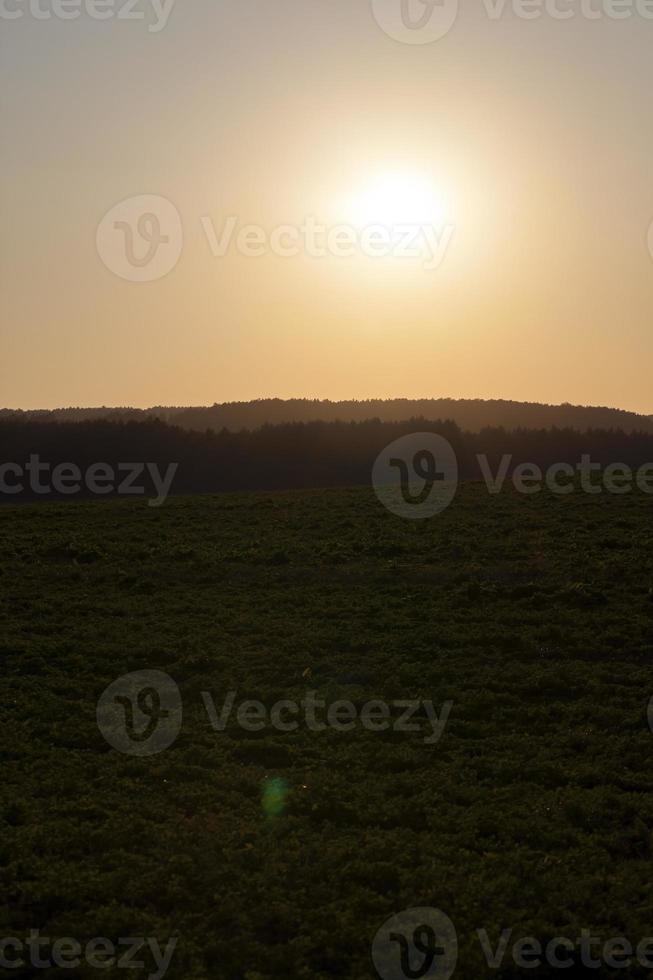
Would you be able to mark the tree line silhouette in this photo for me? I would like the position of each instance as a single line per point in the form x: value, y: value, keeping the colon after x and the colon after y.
x: 470, y: 414
x: 296, y: 455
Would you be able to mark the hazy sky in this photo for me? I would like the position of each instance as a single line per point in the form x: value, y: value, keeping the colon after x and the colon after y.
x: 525, y: 146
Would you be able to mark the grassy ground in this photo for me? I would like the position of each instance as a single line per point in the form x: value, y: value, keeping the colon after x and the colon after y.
x: 534, y: 811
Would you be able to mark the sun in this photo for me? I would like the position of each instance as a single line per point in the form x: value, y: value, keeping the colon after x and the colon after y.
x: 392, y: 199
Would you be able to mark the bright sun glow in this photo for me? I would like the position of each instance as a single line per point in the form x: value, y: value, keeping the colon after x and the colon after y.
x: 398, y: 198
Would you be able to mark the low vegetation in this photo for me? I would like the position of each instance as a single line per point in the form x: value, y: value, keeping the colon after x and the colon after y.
x: 279, y: 855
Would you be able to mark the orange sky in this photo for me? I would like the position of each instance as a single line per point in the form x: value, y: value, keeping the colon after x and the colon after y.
x: 525, y: 145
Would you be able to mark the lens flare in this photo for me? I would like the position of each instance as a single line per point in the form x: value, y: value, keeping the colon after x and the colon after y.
x: 275, y: 792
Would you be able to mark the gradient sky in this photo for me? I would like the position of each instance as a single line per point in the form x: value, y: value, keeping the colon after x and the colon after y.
x: 536, y: 134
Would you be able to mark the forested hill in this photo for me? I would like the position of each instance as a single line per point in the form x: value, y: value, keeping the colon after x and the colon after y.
x: 470, y: 414
x: 291, y: 456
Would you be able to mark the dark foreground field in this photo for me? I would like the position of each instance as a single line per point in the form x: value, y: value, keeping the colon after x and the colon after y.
x: 534, y: 811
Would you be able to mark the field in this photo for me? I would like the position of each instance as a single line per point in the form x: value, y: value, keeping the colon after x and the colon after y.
x: 276, y: 854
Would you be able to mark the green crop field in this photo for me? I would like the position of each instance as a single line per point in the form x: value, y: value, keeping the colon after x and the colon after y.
x: 280, y: 854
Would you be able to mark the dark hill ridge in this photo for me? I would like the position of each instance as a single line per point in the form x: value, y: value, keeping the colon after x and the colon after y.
x: 470, y: 414
x: 289, y: 456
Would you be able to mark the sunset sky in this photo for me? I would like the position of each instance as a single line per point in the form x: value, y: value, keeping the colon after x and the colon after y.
x: 528, y: 143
